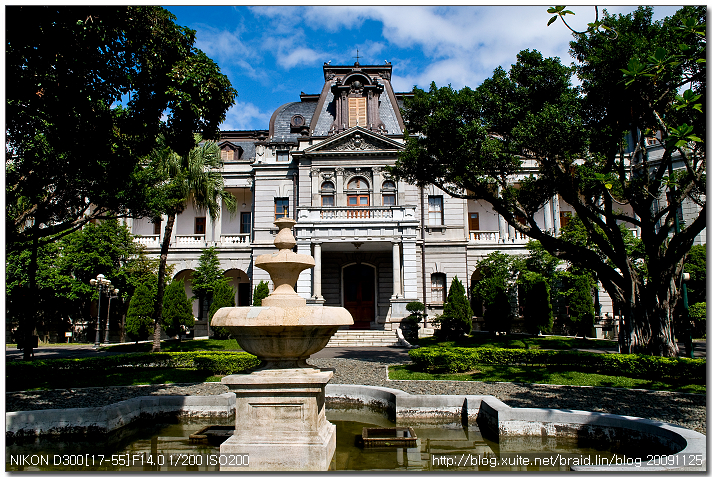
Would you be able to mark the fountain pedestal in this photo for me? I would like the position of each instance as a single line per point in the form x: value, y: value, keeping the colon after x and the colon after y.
x: 280, y: 421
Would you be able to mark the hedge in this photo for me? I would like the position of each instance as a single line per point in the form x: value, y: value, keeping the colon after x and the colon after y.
x: 219, y: 362
x: 456, y: 360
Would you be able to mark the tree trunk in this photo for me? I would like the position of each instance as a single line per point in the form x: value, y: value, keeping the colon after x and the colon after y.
x: 158, y: 306
x: 648, y: 322
x: 32, y: 298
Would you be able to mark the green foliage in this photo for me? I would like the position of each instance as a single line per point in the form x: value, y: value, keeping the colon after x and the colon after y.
x: 62, y: 372
x: 457, y: 360
x: 696, y: 266
x: 580, y: 303
x: 416, y: 310
x: 139, y: 317
x: 206, y: 278
x: 456, y: 319
x: 261, y: 291
x: 470, y: 143
x: 223, y: 296
x: 64, y: 135
x: 535, y: 299
x: 498, y: 314
x: 698, y: 312
x: 177, y: 310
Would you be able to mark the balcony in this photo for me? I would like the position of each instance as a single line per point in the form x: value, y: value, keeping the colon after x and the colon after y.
x: 196, y: 241
x: 358, y: 214
x: 493, y: 236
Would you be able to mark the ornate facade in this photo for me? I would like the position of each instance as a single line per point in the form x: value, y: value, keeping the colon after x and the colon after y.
x: 378, y: 243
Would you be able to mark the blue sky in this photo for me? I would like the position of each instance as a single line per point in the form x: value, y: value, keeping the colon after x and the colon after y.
x: 272, y: 53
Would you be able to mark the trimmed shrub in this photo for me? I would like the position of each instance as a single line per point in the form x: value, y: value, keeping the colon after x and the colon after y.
x: 498, y: 314
x: 139, y: 317
x: 535, y: 298
x: 261, y: 291
x: 27, y: 373
x: 177, y: 310
x: 456, y: 319
x: 580, y: 301
x: 456, y: 360
x: 223, y: 296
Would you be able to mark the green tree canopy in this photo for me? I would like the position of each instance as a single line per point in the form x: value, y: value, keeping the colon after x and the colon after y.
x: 526, y: 135
x: 206, y: 277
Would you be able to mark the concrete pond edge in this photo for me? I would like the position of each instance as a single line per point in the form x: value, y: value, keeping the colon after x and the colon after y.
x: 491, y: 415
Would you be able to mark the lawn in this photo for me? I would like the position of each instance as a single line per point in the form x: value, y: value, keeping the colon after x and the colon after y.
x: 519, y: 341
x: 543, y: 375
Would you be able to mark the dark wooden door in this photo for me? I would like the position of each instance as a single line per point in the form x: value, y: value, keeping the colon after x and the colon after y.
x: 359, y: 294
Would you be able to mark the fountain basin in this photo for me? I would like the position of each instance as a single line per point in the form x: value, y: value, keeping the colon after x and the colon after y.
x: 282, y: 337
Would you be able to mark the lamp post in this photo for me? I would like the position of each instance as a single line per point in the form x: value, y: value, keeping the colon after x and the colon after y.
x: 101, y: 284
x: 113, y: 293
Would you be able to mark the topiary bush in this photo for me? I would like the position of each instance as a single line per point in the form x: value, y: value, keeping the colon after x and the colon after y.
x: 223, y: 296
x: 498, y: 314
x: 535, y: 298
x: 261, y: 291
x: 177, y: 310
x: 456, y: 319
x: 139, y: 317
x: 580, y: 302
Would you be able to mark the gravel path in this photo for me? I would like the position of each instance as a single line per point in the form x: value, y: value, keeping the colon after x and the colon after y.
x: 688, y: 410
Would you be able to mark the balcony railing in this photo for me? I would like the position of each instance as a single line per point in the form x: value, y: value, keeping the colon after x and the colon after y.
x: 235, y: 239
x: 196, y: 240
x: 493, y: 236
x: 489, y: 236
x: 345, y: 214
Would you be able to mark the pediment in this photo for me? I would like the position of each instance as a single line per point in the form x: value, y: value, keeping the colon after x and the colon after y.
x: 355, y: 140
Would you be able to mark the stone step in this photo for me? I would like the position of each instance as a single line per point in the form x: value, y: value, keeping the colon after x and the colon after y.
x: 349, y: 338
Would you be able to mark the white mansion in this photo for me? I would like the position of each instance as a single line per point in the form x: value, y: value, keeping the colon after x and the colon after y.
x: 378, y: 243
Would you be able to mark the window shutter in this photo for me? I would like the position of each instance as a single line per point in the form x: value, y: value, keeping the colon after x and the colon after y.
x: 357, y: 112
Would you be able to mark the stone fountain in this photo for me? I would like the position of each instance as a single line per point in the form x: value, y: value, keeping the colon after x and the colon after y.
x: 280, y: 420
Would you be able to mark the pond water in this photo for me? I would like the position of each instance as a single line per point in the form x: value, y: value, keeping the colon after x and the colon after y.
x: 443, y: 446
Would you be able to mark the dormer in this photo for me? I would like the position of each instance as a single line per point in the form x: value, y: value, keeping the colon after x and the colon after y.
x: 230, y: 152
x: 356, y: 101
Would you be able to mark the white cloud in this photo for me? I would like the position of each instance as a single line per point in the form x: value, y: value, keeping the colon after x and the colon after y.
x: 245, y: 116
x: 290, y: 58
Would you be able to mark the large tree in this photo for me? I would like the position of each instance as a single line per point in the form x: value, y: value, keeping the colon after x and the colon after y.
x: 526, y: 135
x: 88, y: 90
x: 192, y: 178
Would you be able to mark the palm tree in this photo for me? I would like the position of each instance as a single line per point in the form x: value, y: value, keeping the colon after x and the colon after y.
x: 192, y: 178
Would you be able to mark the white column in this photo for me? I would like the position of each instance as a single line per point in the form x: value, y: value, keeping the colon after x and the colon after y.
x: 555, y: 212
x: 317, y: 271
x: 410, y: 270
x: 547, y: 216
x: 397, y: 290
x: 305, y: 278
x: 217, y: 226
x: 503, y: 229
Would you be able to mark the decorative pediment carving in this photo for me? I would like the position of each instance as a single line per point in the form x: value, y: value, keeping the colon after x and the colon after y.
x: 355, y: 140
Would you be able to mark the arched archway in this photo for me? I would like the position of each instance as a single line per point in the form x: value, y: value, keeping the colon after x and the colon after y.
x: 187, y: 277
x: 240, y: 282
x: 359, y: 293
x: 476, y: 304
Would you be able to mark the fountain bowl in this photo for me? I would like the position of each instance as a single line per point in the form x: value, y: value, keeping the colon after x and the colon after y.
x: 282, y: 337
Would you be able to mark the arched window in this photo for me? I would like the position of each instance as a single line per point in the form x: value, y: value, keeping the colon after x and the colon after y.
x: 389, y: 193
x: 357, y: 190
x: 327, y: 194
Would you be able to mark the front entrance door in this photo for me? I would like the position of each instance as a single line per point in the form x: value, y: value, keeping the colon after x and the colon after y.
x: 359, y: 299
